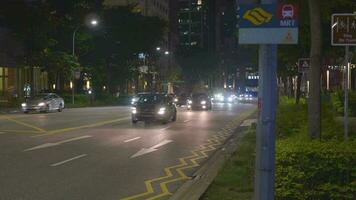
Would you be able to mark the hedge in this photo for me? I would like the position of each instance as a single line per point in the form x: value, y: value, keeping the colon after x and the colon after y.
x: 315, y: 170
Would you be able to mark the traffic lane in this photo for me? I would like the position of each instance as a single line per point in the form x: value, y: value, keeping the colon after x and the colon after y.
x: 112, y: 141
x: 102, y: 172
x: 44, y: 122
x: 11, y: 143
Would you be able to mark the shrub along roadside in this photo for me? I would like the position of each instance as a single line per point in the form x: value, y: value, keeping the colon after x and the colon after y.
x: 305, y: 169
x: 315, y: 170
x: 337, y: 99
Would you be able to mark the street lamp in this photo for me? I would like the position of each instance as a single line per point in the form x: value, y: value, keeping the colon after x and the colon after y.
x: 158, y: 48
x: 93, y: 22
x: 166, y: 52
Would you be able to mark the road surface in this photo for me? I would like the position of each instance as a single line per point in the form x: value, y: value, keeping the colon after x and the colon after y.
x: 97, y: 154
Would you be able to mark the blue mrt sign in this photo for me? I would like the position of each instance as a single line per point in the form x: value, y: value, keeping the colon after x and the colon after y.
x: 268, y: 24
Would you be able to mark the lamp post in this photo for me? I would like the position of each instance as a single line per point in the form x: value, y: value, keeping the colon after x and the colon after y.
x: 160, y: 53
x: 93, y: 22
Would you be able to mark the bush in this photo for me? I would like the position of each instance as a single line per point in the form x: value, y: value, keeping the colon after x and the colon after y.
x: 337, y: 99
x: 81, y: 100
x: 315, y: 170
x: 291, y: 118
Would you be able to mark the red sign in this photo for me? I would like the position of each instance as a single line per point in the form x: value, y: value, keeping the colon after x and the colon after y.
x: 288, y: 11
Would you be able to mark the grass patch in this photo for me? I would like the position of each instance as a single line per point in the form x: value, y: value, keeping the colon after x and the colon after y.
x: 235, y: 179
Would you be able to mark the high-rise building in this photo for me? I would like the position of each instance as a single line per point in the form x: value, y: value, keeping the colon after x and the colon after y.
x: 191, y: 20
x: 201, y: 23
x: 159, y: 8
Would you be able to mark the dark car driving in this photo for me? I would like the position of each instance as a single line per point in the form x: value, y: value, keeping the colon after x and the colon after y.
x: 154, y: 107
x: 199, y: 101
x: 181, y: 100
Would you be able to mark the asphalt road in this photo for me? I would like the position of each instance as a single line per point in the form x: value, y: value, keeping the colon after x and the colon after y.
x: 97, y: 154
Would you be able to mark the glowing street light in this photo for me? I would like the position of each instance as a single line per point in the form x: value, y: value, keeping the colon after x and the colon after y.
x: 166, y: 52
x: 158, y: 48
x: 94, y: 22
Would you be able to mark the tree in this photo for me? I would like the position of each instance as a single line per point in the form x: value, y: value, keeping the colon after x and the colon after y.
x: 314, y: 104
x: 120, y: 38
x: 45, y: 30
x: 59, y: 66
x: 197, y: 65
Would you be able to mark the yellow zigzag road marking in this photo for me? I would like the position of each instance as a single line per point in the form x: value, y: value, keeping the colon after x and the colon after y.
x: 180, y: 167
x: 169, y: 174
x: 215, y: 140
x: 164, y: 185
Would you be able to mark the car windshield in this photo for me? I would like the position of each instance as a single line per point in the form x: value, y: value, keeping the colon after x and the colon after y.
x: 150, y: 99
x: 199, y: 96
x: 39, y: 97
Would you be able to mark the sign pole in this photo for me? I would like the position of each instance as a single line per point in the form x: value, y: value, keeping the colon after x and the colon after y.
x: 266, y: 131
x: 267, y: 24
x: 346, y: 88
x: 343, y: 33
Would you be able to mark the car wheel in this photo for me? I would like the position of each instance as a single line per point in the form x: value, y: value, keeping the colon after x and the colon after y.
x: 47, y: 108
x: 60, y: 108
x: 26, y: 112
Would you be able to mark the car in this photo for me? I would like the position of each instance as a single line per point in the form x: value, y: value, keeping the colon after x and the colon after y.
x: 225, y: 97
x: 247, y: 96
x: 200, y: 101
x: 136, y: 97
x: 44, y: 102
x: 154, y: 107
x: 181, y: 100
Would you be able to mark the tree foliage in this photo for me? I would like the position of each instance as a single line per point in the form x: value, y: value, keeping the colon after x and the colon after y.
x: 118, y: 41
x: 197, y: 64
x: 46, y: 28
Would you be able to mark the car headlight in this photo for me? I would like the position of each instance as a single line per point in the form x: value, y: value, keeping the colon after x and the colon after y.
x: 203, y: 102
x: 41, y: 104
x: 23, y: 104
x: 133, y: 100
x: 133, y: 110
x: 161, y: 111
x: 230, y: 99
x: 176, y: 100
x: 190, y: 102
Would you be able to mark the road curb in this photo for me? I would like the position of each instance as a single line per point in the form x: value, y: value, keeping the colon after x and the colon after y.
x: 193, y: 189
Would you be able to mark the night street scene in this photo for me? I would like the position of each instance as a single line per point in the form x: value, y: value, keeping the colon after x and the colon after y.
x: 177, y: 99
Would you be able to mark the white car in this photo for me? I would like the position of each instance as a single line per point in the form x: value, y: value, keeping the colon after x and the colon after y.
x: 44, y: 102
